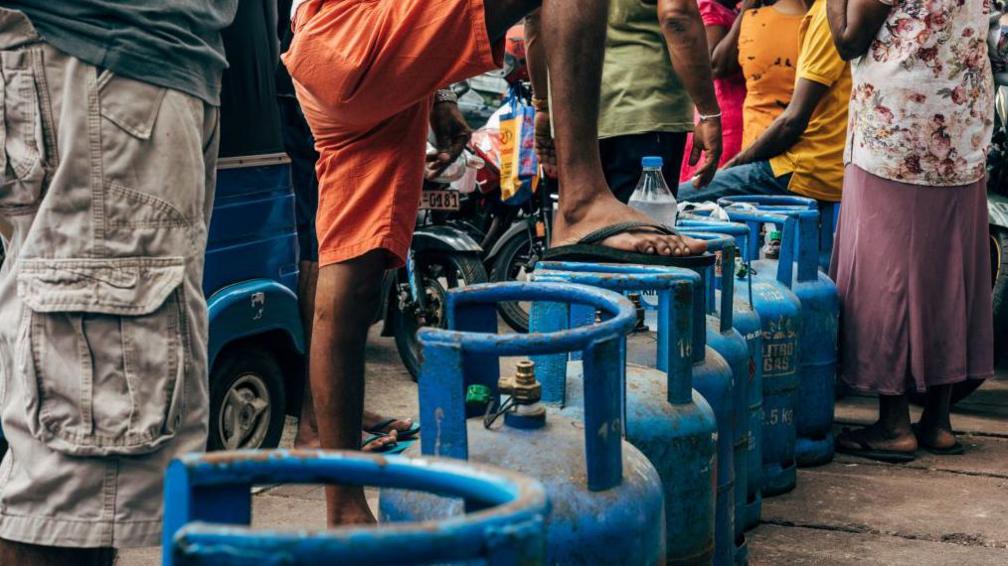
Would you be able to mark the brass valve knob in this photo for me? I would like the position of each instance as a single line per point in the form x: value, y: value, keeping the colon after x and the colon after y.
x: 523, y: 386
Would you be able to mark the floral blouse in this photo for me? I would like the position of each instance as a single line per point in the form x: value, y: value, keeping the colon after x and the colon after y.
x: 922, y: 107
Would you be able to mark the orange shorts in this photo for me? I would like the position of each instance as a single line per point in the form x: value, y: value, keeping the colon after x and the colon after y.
x: 365, y: 72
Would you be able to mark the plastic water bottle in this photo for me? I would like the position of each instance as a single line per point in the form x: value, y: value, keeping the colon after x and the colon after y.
x: 653, y: 196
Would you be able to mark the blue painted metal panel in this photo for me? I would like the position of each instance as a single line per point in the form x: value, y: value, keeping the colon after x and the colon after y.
x: 250, y: 308
x: 207, y: 511
x: 607, y: 503
x: 253, y: 233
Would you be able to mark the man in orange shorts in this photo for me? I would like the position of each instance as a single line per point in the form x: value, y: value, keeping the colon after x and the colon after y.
x: 367, y: 74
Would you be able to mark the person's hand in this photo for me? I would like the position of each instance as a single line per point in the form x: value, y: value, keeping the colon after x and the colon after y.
x: 733, y: 162
x: 706, y: 140
x: 545, y: 149
x: 451, y: 134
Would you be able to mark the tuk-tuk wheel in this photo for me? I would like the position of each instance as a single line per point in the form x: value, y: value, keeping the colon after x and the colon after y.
x: 247, y: 401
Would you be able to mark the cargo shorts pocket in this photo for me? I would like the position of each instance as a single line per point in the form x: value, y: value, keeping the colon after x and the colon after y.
x: 22, y: 137
x: 103, y: 348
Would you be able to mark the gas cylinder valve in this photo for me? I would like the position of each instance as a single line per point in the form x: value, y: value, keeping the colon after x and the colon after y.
x: 523, y: 386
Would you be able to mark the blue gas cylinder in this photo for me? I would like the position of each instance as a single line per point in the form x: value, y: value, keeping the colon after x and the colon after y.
x: 712, y: 378
x: 779, y: 312
x: 665, y: 418
x: 819, y: 327
x: 606, y: 497
x: 208, y: 508
x: 729, y: 342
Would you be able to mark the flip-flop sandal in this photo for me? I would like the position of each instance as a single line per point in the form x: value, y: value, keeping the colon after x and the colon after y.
x: 398, y: 447
x: 863, y: 450
x: 956, y: 449
x: 589, y: 248
x: 384, y: 427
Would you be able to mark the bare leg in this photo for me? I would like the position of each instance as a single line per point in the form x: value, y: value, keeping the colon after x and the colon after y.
x: 21, y: 553
x: 307, y: 433
x: 935, y: 428
x: 573, y: 34
x: 345, y: 302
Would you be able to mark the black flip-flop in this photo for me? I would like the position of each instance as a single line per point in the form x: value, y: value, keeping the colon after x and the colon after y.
x: 956, y: 449
x: 384, y: 427
x: 863, y: 450
x: 589, y: 248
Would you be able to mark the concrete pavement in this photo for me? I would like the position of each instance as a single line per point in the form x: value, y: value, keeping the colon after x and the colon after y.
x: 935, y: 511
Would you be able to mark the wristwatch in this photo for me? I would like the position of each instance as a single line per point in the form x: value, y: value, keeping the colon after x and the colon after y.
x: 445, y: 95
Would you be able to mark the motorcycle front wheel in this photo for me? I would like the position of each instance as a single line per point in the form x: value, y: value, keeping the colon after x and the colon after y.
x: 513, y: 263
x: 437, y: 272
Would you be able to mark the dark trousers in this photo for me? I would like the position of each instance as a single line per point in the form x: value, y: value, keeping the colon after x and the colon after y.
x: 621, y: 159
x: 300, y: 147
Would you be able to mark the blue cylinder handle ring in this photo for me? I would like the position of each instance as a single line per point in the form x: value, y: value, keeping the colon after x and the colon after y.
x: 208, y: 509
x: 620, y: 320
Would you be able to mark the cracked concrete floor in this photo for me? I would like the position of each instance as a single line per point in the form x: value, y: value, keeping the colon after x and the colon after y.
x: 934, y: 511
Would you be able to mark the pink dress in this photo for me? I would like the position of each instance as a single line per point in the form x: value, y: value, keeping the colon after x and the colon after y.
x: 730, y: 92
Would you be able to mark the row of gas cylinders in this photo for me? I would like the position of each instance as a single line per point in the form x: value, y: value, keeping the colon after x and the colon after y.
x: 637, y: 447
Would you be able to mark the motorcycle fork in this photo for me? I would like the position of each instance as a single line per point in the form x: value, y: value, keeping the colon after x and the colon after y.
x: 415, y: 288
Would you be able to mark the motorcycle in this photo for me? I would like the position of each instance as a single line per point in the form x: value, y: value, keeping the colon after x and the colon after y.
x: 513, y: 253
x: 442, y: 256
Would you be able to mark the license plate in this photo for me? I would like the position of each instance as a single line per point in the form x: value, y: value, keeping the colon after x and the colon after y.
x: 440, y: 200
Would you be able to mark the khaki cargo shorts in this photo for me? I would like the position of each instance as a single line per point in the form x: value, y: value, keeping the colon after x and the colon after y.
x: 104, y: 204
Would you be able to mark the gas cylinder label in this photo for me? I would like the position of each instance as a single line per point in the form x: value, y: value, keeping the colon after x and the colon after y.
x: 779, y: 348
x: 778, y: 416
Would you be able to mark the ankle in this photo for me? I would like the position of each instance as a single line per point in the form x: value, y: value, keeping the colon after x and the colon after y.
x: 575, y: 208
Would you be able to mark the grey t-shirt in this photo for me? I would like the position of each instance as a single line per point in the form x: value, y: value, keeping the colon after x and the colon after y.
x: 170, y: 43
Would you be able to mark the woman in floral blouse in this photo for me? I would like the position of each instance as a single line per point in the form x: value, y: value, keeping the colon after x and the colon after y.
x: 911, y: 256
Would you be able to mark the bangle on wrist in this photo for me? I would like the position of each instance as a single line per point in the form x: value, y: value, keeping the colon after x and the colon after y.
x: 540, y: 104
x: 445, y: 95
x: 710, y: 117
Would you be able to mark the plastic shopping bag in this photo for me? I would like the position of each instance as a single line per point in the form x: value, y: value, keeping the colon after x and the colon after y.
x: 519, y: 166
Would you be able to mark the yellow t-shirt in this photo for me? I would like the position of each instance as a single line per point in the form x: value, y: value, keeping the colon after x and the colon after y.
x: 816, y: 161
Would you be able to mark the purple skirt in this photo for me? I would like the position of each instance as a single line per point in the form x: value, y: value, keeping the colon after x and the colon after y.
x: 912, y: 268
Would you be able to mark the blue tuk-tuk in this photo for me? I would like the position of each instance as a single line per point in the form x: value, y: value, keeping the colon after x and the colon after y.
x: 257, y: 346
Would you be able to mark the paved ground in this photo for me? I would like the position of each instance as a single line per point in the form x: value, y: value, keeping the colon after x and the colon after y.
x: 935, y: 511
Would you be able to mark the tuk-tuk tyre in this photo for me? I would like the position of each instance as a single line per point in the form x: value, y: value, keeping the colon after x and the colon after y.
x: 233, y: 363
x: 999, y: 237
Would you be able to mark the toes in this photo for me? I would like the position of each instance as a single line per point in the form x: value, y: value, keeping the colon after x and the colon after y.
x: 676, y: 246
x: 644, y: 246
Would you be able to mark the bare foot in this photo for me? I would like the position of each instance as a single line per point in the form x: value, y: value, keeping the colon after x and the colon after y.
x: 935, y: 436
x: 877, y: 437
x: 380, y: 442
x: 575, y: 223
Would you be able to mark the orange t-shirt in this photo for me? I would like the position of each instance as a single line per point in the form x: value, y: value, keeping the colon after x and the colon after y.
x: 768, y: 53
